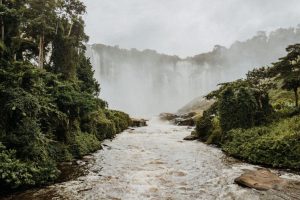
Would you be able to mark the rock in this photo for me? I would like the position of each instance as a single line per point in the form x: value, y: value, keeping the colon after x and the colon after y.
x: 188, y: 115
x: 262, y: 179
x: 191, y: 137
x: 80, y: 162
x: 185, y: 122
x: 87, y: 158
x: 138, y: 122
x: 168, y: 116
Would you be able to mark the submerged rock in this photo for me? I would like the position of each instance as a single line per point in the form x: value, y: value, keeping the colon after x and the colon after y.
x: 138, y: 122
x: 262, y: 179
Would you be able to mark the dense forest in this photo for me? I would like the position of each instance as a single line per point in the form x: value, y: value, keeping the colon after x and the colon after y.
x: 145, y: 82
x: 257, y: 118
x: 50, y: 111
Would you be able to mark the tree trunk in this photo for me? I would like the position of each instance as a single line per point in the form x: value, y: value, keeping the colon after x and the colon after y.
x: 70, y: 30
x: 41, y: 51
x: 296, y: 96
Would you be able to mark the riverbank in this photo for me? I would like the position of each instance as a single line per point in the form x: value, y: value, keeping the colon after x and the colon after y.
x: 155, y: 162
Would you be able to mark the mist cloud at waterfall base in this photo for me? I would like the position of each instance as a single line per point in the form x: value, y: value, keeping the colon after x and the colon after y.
x: 146, y: 83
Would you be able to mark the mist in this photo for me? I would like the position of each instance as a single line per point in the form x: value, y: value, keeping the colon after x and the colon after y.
x: 184, y: 27
x: 146, y: 83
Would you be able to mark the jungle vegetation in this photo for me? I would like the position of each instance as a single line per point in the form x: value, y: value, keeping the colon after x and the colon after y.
x: 257, y: 118
x: 50, y: 111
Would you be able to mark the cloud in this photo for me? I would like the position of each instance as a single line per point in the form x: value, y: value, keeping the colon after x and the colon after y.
x: 184, y: 27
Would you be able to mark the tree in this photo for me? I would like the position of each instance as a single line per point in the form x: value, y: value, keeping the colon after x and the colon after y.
x: 40, y: 24
x: 288, y: 70
x: 69, y: 39
x: 261, y: 83
x: 227, y: 109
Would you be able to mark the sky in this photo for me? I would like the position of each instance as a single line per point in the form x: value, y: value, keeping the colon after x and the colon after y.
x: 184, y: 27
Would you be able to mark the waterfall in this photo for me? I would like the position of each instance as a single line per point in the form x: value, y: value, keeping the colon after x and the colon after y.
x: 146, y: 83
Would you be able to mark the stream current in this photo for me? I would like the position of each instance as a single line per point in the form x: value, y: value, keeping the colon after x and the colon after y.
x: 155, y: 163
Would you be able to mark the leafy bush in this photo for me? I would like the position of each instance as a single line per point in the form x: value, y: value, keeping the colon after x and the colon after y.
x: 15, y: 173
x: 216, y: 132
x: 120, y: 119
x: 204, y: 124
x: 277, y: 144
x: 85, y: 143
x: 45, y: 120
x: 49, y: 112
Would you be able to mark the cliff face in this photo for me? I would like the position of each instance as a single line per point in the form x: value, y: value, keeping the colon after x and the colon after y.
x: 145, y: 83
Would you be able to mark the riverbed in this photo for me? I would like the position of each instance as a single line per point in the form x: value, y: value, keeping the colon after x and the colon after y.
x: 155, y: 163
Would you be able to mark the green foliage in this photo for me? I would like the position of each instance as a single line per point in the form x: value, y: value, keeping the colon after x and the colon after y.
x: 204, y: 125
x: 45, y: 119
x: 208, y: 127
x: 85, y: 143
x: 97, y: 124
x: 85, y: 75
x: 239, y: 109
x: 216, y: 132
x: 288, y: 70
x: 121, y: 120
x: 49, y: 112
x: 15, y: 173
x: 255, y: 120
x: 277, y: 144
x: 105, y: 124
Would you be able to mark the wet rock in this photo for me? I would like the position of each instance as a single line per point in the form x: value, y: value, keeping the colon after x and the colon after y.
x: 138, y: 122
x: 191, y: 137
x: 84, y: 190
x: 168, y: 116
x: 80, y: 162
x: 262, y: 179
x: 188, y: 115
x: 185, y: 122
x: 187, y: 119
x: 87, y: 158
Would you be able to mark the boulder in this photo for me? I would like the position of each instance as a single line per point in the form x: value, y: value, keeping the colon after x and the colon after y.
x: 187, y: 119
x: 261, y: 179
x: 185, y: 122
x: 168, y: 116
x: 138, y: 122
x: 189, y: 115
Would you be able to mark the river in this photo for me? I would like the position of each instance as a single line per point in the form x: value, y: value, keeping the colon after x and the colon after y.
x: 154, y: 162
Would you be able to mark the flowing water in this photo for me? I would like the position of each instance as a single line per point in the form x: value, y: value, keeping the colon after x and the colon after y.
x: 154, y: 162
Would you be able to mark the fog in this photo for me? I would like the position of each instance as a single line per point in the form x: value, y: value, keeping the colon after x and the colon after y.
x: 146, y: 83
x: 184, y: 27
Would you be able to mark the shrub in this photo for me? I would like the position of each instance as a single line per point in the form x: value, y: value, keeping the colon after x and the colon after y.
x: 15, y: 173
x: 277, y: 144
x: 85, y: 143
x: 45, y: 119
x: 204, y: 124
x: 216, y: 132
